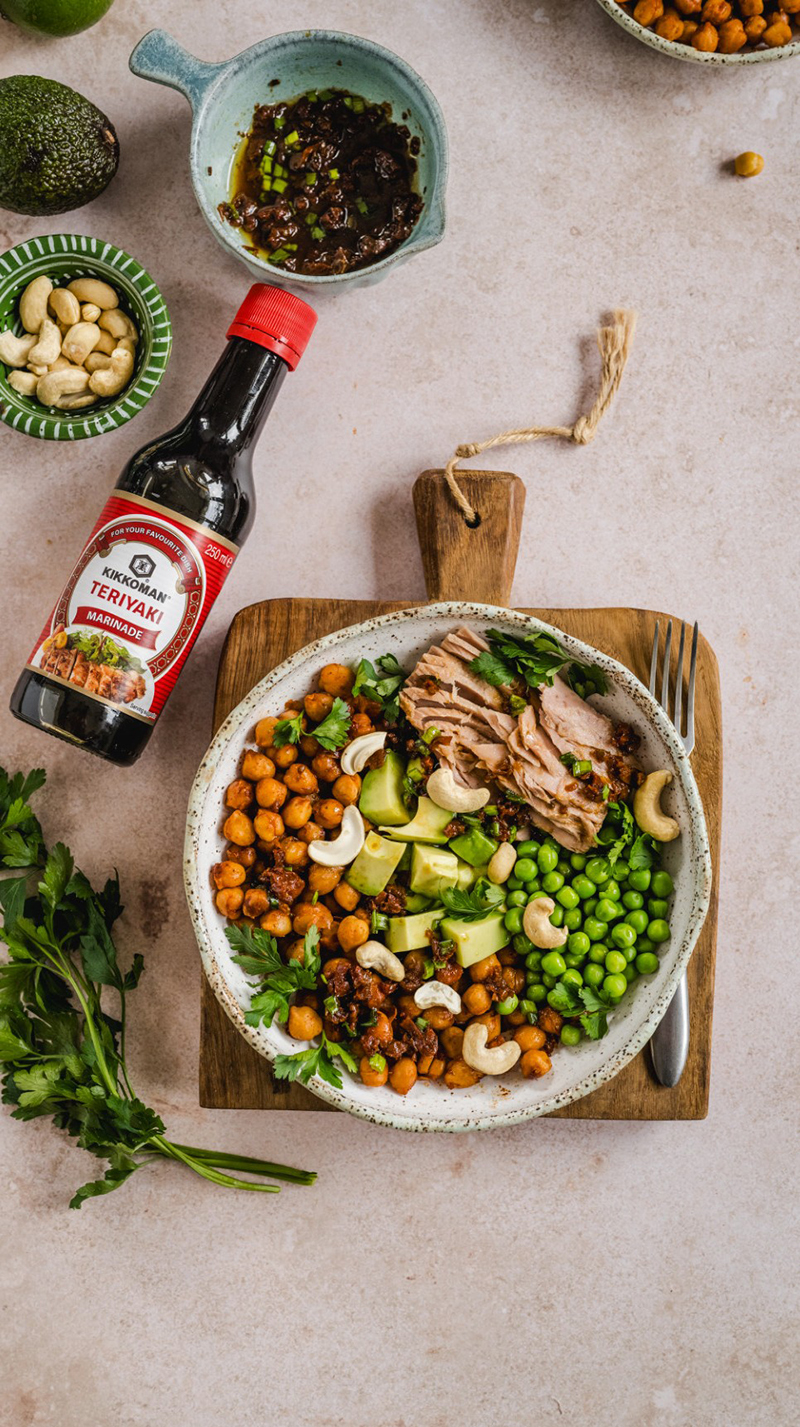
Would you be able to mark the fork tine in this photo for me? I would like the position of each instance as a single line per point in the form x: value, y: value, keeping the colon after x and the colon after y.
x: 665, y: 672
x: 676, y: 717
x: 689, y: 739
x: 654, y: 662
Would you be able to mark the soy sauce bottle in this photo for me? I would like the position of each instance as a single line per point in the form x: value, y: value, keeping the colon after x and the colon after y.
x: 111, y: 652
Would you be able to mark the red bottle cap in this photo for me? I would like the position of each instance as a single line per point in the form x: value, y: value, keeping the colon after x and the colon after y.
x: 277, y: 320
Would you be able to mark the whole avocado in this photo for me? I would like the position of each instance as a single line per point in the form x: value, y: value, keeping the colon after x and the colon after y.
x: 57, y: 151
x: 54, y: 17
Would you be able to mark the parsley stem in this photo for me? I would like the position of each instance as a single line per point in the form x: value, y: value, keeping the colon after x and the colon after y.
x: 248, y: 1163
x: 171, y: 1151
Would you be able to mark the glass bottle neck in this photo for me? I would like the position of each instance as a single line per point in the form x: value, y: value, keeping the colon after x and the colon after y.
x: 238, y: 396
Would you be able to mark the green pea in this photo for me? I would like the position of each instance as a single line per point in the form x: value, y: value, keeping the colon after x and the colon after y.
x: 612, y: 890
x: 658, y: 908
x: 631, y: 952
x: 643, y: 943
x: 662, y: 884
x: 598, y: 952
x: 527, y: 1006
x: 639, y: 879
x: 523, y: 944
x: 548, y: 981
x: 573, y: 959
x: 583, y: 886
x: 589, y: 906
x: 630, y: 973
x: 637, y: 920
x: 577, y: 861
x: 572, y: 977
x: 547, y: 858
x: 594, y: 975
x: 514, y: 883
x: 568, y: 898
x: 570, y: 1035
x: 535, y: 885
x: 536, y: 993
x: 552, y: 882
x: 634, y: 901
x: 517, y: 899
x: 527, y: 849
x: 646, y: 963
x: 533, y: 960
x: 621, y: 870
x: 615, y: 962
x: 598, y: 870
x: 579, y: 944
x: 623, y: 934
x: 658, y: 931
x: 595, y: 930
x: 512, y: 921
x: 606, y: 911
x: 616, y: 986
x: 525, y: 869
x: 507, y: 1007
x: 573, y: 919
x: 553, y: 964
x: 563, y: 867
x: 557, y: 917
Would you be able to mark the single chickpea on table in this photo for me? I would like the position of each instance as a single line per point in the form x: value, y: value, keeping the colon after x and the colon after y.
x: 724, y: 26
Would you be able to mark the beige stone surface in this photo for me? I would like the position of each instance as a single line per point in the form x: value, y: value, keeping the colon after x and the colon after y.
x: 634, y: 1274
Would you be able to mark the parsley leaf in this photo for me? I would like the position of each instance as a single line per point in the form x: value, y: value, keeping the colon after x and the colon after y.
x: 316, y: 1060
x: 382, y: 683
x: 615, y: 841
x: 643, y: 853
x: 258, y: 955
x: 564, y: 998
x: 332, y: 731
x: 535, y: 658
x: 472, y: 906
x: 595, y: 1018
x: 288, y: 730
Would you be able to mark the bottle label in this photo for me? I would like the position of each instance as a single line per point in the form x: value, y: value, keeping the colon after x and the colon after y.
x: 133, y: 606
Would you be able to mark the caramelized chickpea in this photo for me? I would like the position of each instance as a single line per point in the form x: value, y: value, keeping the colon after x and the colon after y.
x: 297, y: 951
x: 755, y: 28
x: 265, y: 729
x: 324, y: 879
x: 451, y: 975
x: 403, y: 1075
x: 408, y: 1006
x: 238, y: 828
x: 716, y: 12
x: 705, y: 39
x: 382, y: 1029
x: 244, y: 855
x: 535, y: 1063
x: 329, y: 813
x: 304, y: 1023
x: 777, y: 34
x: 373, y: 1074
x: 689, y: 7
x: 228, y: 874
x: 670, y: 26
x: 337, y: 680
x: 347, y: 788
x: 646, y: 11
x: 307, y: 914
x: 239, y: 794
x: 326, y: 767
x: 353, y: 932
x: 459, y: 1075
x: 317, y: 706
x: 268, y: 825
x: 270, y: 793
x: 690, y: 28
x: 300, y: 779
x: 297, y: 812
x: 295, y: 852
x: 285, y: 756
x: 529, y: 1038
x: 481, y: 970
x: 749, y: 164
x: 360, y: 723
x: 435, y: 1070
x: 335, y: 961
x: 311, y: 832
x: 256, y: 766
x: 476, y: 999
x: 277, y: 922
x: 414, y: 965
x: 514, y: 979
x: 732, y: 37
x: 229, y: 901
x: 424, y: 1064
x: 256, y: 902
x: 347, y: 896
x: 451, y: 1041
x: 309, y: 746
x: 550, y: 1021
x: 754, y: 7
x: 491, y: 1021
x: 438, y: 1017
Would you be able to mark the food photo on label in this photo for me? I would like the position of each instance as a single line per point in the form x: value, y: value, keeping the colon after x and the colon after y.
x: 110, y: 653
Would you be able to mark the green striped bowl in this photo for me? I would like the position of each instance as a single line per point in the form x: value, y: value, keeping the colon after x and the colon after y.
x: 64, y: 256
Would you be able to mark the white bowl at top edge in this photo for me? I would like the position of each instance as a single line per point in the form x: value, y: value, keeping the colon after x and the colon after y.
x: 509, y: 1099
x: 686, y: 52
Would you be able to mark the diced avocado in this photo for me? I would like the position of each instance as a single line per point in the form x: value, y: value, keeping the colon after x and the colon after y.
x: 404, y: 865
x: 415, y: 902
x: 382, y: 798
x: 468, y: 876
x: 475, y: 940
x: 432, y: 869
x: 474, y: 846
x: 374, y: 865
x: 408, y: 933
x: 427, y: 825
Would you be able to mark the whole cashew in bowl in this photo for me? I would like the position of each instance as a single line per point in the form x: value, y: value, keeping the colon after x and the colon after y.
x: 33, y: 304
x: 70, y: 381
x: 489, y: 1060
x: 90, y: 311
x: 14, y: 350
x: 92, y: 289
x: 376, y: 957
x: 436, y: 993
x: 647, y: 807
x: 445, y: 792
x: 110, y: 380
x: 79, y: 341
x: 538, y: 927
x: 23, y: 382
x: 48, y: 347
x: 118, y: 323
x: 97, y: 362
x: 66, y: 306
x: 74, y: 403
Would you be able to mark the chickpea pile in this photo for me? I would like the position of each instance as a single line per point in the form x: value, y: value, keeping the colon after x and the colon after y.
x: 727, y: 26
x: 286, y: 798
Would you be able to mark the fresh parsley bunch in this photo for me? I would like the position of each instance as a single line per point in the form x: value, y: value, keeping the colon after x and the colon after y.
x: 62, y: 1052
x: 382, y: 683
x: 472, y: 906
x: 536, y: 659
x: 331, y: 732
x: 590, y: 1003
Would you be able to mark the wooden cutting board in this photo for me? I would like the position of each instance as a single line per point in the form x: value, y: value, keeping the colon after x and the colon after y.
x: 476, y: 564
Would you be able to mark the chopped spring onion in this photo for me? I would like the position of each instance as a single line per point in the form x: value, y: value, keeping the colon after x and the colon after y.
x: 326, y: 94
x: 379, y: 922
x: 311, y: 178
x: 362, y: 206
x: 292, y: 138
x: 279, y: 256
x: 353, y: 102
x: 266, y: 164
x: 280, y: 185
x: 311, y: 218
x: 270, y: 146
x: 318, y: 234
x: 280, y: 122
x: 377, y: 1062
x: 280, y: 171
x: 333, y: 174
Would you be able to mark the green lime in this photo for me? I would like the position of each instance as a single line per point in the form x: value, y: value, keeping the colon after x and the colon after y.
x: 54, y: 17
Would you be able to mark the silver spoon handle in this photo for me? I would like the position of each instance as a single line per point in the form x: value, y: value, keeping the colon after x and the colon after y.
x: 669, y: 1045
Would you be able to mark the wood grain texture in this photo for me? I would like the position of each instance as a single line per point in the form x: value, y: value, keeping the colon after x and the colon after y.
x: 463, y: 562
x: 233, y: 1076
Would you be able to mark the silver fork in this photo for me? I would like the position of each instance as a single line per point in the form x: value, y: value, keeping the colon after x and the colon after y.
x: 669, y: 1044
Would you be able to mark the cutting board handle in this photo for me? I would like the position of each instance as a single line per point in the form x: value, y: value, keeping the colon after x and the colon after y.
x: 463, y: 562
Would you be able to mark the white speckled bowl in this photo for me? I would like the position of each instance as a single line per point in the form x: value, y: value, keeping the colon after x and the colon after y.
x: 492, y: 1102
x: 685, y: 52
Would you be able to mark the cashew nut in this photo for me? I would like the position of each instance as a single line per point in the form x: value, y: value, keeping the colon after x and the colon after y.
x: 48, y: 347
x: 79, y: 341
x: 647, y: 807
x: 501, y: 865
x: 97, y: 362
x: 66, y: 306
x: 435, y: 993
x: 360, y: 750
x: 106, y: 343
x: 538, y: 927
x: 23, y: 382
x: 14, y: 350
x: 70, y: 381
x: 446, y: 793
x: 111, y: 380
x: 73, y: 403
x: 38, y: 371
x: 59, y: 365
x: 352, y: 833
x: 91, y: 289
x: 118, y: 323
x: 494, y: 1060
x: 90, y: 311
x: 376, y: 957
x: 33, y: 303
